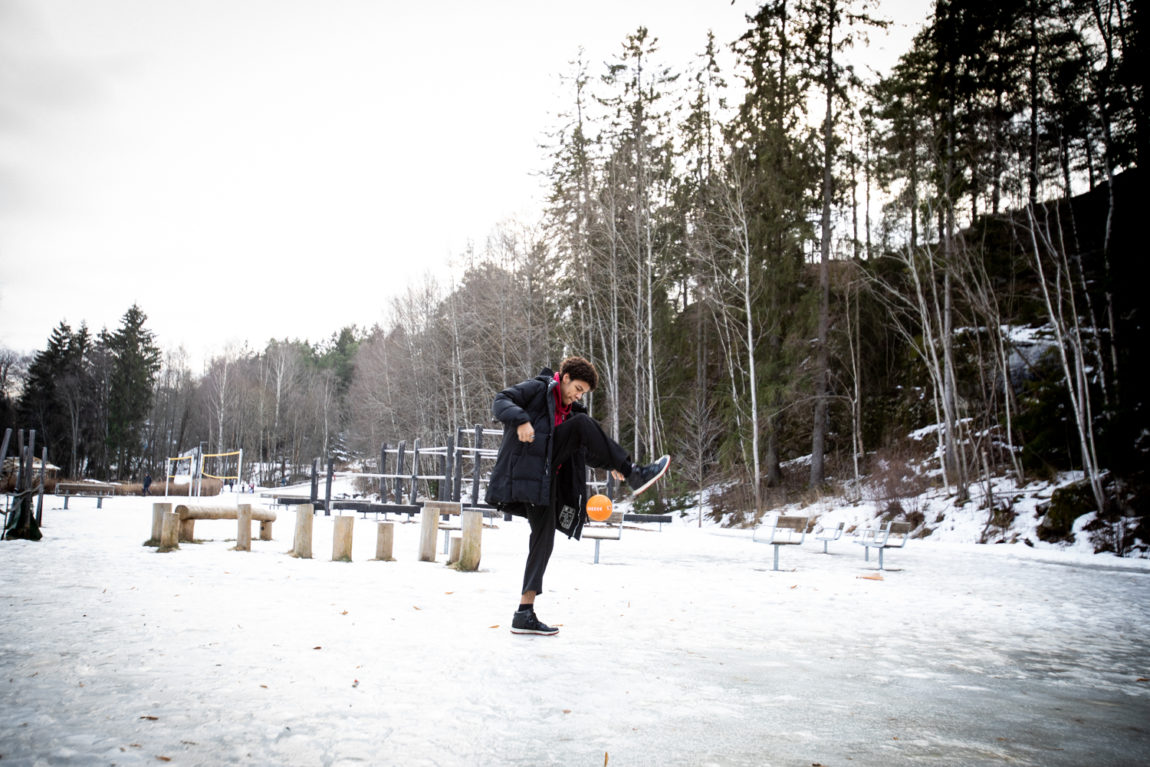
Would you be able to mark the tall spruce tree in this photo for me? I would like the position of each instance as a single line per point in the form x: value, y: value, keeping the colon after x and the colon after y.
x: 769, y: 140
x: 135, y: 361
x: 41, y: 405
x: 831, y: 27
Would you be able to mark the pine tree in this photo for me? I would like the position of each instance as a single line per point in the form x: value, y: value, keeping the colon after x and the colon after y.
x: 135, y: 361
x: 42, y: 405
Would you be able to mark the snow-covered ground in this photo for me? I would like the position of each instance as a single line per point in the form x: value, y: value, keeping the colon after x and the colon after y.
x: 681, y: 647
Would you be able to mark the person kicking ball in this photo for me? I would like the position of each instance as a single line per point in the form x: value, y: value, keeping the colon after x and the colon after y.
x: 549, y: 440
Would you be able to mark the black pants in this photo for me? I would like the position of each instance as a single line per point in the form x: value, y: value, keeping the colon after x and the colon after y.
x: 578, y: 431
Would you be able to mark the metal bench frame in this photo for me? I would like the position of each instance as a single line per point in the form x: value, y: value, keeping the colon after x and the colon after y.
x: 782, y: 531
x: 827, y: 535
x: 610, y: 530
x: 99, y: 491
x: 892, y: 535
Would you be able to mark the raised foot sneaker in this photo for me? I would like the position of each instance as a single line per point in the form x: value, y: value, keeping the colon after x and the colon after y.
x: 642, y: 477
x: 525, y: 622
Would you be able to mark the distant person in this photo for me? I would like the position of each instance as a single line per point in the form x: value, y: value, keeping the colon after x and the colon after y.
x: 147, y: 483
x: 541, y: 469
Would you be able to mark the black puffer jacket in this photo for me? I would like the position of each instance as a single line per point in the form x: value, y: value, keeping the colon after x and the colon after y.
x: 523, y: 472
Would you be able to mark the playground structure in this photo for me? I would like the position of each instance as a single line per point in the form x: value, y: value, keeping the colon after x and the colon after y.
x: 20, y: 521
x: 196, y: 468
x: 457, y: 471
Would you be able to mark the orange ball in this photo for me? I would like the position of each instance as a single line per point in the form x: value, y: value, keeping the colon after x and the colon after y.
x: 599, y: 508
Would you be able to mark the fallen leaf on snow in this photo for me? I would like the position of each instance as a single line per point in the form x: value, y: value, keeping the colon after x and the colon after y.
x: 494, y: 627
x: 416, y: 607
x: 150, y: 718
x: 318, y: 647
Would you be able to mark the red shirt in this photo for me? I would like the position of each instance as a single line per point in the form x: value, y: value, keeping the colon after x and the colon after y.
x: 561, y: 410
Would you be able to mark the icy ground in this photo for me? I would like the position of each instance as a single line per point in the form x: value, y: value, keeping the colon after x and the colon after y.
x: 681, y: 648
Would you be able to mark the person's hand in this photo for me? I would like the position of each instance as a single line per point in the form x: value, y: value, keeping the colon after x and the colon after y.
x: 617, y: 475
x: 526, y: 432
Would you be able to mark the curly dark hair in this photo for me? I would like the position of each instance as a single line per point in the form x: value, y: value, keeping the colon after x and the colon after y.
x: 580, y: 370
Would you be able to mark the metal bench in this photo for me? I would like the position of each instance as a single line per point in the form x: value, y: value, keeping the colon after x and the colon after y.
x: 97, y: 490
x: 609, y: 530
x: 781, y: 531
x: 892, y: 535
x: 648, y: 519
x: 826, y: 535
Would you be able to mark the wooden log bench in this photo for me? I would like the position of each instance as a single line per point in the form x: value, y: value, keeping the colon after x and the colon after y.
x: 892, y: 535
x: 779, y: 531
x: 188, y: 513
x: 97, y: 490
x: 828, y: 534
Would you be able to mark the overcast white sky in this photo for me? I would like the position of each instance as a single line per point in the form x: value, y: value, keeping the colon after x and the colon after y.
x: 250, y: 169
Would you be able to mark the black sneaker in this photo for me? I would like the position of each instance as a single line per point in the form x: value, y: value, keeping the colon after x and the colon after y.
x: 642, y: 477
x: 525, y: 622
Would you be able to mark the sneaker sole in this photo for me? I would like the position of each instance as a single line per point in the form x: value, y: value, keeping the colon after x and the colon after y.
x: 536, y: 633
x: 655, y: 478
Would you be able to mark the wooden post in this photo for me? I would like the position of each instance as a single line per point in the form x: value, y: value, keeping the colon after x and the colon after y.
x: 382, y: 471
x: 158, y: 511
x: 341, y: 539
x: 446, y: 493
x: 475, y: 466
x: 170, y: 532
x: 40, y: 495
x: 470, y: 551
x: 456, y: 545
x: 265, y: 530
x: 385, y: 541
x: 428, y: 529
x: 399, y: 473
x: 301, y: 546
x: 414, y: 471
x: 457, y: 483
x: 244, y: 527
x: 327, y: 488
